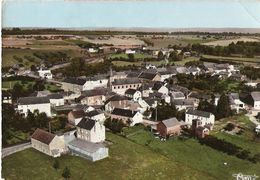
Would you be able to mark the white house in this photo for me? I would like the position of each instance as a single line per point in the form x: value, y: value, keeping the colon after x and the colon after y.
x: 92, y: 50
x: 183, y: 104
x: 129, y: 51
x: 256, y: 98
x: 235, y: 102
x: 56, y: 99
x: 91, y: 130
x: 206, y: 118
x: 45, y: 73
x: 133, y: 94
x: 42, y: 104
x: 47, y: 143
x: 120, y: 86
x: 257, y: 129
x: 127, y: 116
x: 161, y: 88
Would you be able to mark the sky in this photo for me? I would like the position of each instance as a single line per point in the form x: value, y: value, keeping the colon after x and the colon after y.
x: 130, y: 14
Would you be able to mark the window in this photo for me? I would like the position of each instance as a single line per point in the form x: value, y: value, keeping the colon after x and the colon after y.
x: 122, y: 86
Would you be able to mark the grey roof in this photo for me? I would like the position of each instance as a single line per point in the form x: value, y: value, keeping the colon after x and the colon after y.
x: 93, y: 113
x: 150, y: 101
x: 116, y: 98
x: 183, y: 102
x: 55, y: 96
x: 171, y: 122
x: 72, y: 80
x: 97, y: 77
x: 157, y: 85
x: 33, y: 100
x: 126, y: 81
x: 124, y: 112
x: 198, y: 113
x: 85, y: 145
x: 147, y: 75
x: 130, y: 91
x: 177, y: 94
x: 94, y: 92
x: 256, y: 95
x: 86, y: 123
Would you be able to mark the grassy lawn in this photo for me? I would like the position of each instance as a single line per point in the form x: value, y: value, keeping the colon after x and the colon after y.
x: 188, y: 59
x: 17, y: 137
x: 127, y: 160
x: 26, y: 84
x: 230, y: 85
x: 139, y: 63
x: 235, y: 59
x: 125, y: 56
x: 203, y: 158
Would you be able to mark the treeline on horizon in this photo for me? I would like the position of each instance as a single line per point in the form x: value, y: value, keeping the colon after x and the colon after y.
x: 19, y: 31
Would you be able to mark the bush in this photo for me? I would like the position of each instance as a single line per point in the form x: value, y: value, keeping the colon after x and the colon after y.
x: 56, y: 164
x: 66, y: 173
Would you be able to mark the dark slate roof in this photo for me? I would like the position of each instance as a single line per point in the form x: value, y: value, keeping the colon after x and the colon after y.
x: 97, y: 77
x: 126, y: 81
x: 158, y: 85
x: 150, y: 101
x: 130, y: 91
x: 33, y: 100
x: 86, y: 123
x: 198, y: 113
x: 124, y: 112
x: 93, y: 113
x: 183, y: 102
x: 55, y: 96
x: 78, y: 81
x: 43, y: 136
x: 94, y: 92
x: 147, y: 75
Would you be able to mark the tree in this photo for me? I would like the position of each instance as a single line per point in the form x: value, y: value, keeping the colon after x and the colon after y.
x: 33, y: 68
x: 39, y: 86
x: 160, y: 55
x: 17, y: 91
x: 131, y: 57
x: 206, y: 106
x: 66, y: 173
x: 56, y: 164
x: 223, y: 108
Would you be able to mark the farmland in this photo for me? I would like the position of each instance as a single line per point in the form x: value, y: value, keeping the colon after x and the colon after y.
x: 226, y: 42
x: 233, y: 59
x: 127, y: 160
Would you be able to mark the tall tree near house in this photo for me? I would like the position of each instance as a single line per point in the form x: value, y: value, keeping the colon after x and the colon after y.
x: 17, y: 91
x: 160, y: 55
x: 223, y: 108
x: 56, y: 164
x: 131, y: 57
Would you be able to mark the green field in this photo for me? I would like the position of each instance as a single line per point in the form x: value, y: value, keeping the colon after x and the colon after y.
x: 8, y: 55
x: 125, y: 56
x: 6, y: 85
x: 139, y: 63
x: 127, y: 160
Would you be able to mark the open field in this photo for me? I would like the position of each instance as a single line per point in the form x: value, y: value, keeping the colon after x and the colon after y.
x: 116, y: 40
x: 127, y: 160
x: 9, y: 60
x: 201, y: 157
x: 125, y: 56
x: 229, y: 41
x: 6, y: 85
x: 138, y: 63
x: 233, y: 59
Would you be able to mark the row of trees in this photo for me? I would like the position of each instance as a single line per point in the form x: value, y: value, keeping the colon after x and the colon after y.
x: 247, y: 49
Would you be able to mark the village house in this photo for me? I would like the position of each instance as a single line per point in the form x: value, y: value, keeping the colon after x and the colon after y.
x: 183, y: 104
x: 47, y: 143
x: 146, y: 88
x: 129, y: 51
x: 169, y: 127
x: 256, y: 99
x: 91, y: 130
x: 161, y: 88
x: 6, y: 97
x: 166, y: 73
x: 235, y: 102
x: 117, y: 75
x: 120, y: 86
x: 45, y: 73
x: 206, y: 118
x: 88, y: 150
x: 96, y: 115
x: 128, y: 117
x: 161, y: 96
x: 134, y: 94
x: 116, y: 101
x: 56, y: 99
x: 177, y: 95
x: 198, y: 129
x: 75, y: 116
x: 73, y: 84
x: 93, y: 97
x: 42, y: 104
x: 97, y: 81
x: 150, y: 76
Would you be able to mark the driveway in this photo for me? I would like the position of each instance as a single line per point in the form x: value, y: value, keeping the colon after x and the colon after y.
x: 13, y: 149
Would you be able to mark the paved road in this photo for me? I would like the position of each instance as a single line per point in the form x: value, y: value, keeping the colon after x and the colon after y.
x: 13, y: 149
